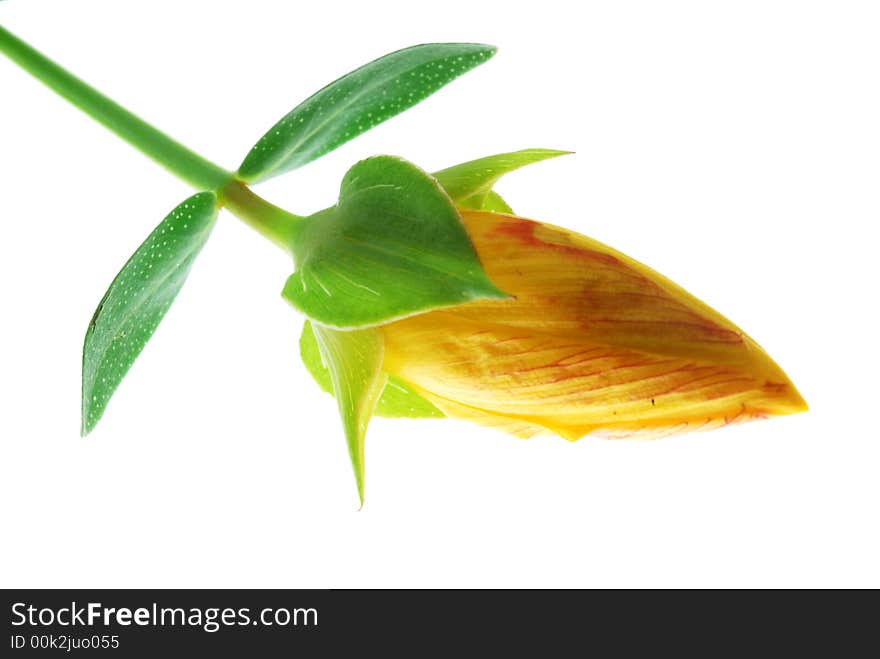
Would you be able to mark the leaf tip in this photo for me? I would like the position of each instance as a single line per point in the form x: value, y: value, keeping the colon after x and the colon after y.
x: 87, y: 423
x: 546, y: 154
x: 490, y: 291
x: 87, y: 420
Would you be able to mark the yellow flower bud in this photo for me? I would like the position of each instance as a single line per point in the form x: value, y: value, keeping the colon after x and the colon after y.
x: 594, y: 342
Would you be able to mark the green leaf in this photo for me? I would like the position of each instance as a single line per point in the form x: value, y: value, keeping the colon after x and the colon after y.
x: 358, y: 101
x: 492, y: 202
x: 354, y: 360
x: 397, y: 399
x: 137, y: 300
x: 392, y: 247
x: 470, y: 182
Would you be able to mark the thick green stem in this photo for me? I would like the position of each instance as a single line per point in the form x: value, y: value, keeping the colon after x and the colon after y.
x: 273, y: 222
x: 191, y: 167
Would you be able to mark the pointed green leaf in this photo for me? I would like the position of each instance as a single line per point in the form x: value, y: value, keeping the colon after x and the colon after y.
x: 393, y: 246
x: 397, y: 399
x: 137, y: 300
x: 354, y: 360
x: 470, y: 182
x: 491, y: 202
x: 358, y: 101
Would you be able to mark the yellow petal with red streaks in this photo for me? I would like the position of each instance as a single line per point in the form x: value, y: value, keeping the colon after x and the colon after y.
x: 593, y: 342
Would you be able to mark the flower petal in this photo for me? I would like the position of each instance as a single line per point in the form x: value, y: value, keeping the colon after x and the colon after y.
x: 593, y: 342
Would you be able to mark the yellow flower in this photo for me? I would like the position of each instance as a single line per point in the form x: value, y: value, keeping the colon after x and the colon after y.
x: 594, y: 342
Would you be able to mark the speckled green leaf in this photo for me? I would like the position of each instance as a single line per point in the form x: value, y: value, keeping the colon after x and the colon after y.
x: 470, y: 183
x: 397, y: 399
x: 354, y: 360
x: 393, y: 246
x: 137, y: 301
x: 358, y: 101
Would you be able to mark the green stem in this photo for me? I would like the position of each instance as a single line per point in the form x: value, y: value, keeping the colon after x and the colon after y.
x: 275, y: 223
x: 169, y: 153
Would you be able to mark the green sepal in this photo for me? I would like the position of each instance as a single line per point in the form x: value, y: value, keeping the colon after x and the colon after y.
x: 357, y: 102
x: 495, y: 203
x: 492, y: 202
x: 398, y: 400
x: 138, y: 299
x: 393, y: 246
x: 354, y: 362
x: 470, y: 183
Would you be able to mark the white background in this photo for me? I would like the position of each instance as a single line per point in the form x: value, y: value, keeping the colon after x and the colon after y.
x: 733, y: 146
